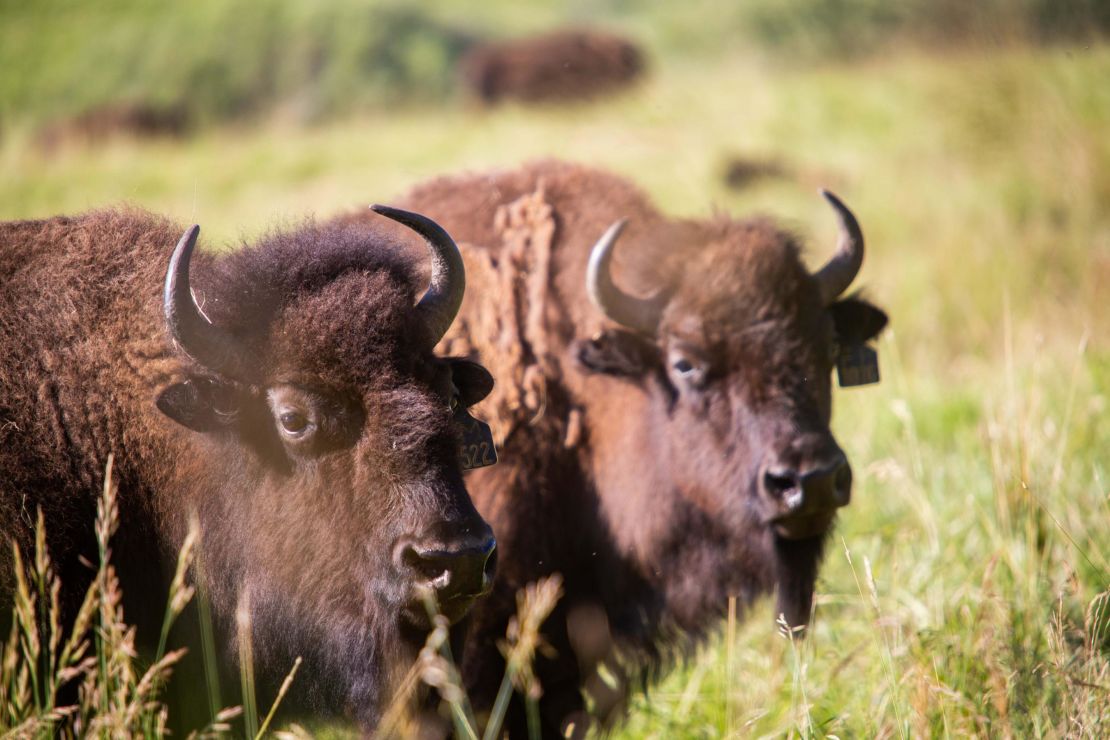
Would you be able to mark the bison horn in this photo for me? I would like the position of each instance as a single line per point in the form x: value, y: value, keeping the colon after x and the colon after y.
x: 441, y: 302
x: 835, y: 277
x: 641, y: 314
x: 208, y: 345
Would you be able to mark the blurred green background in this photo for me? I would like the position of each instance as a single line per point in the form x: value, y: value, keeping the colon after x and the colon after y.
x: 962, y: 591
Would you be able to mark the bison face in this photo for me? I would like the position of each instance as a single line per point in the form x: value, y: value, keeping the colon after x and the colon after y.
x: 735, y: 356
x: 747, y: 408
x: 328, y: 479
x: 380, y: 456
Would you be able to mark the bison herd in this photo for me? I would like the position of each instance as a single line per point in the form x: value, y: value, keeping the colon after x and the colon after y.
x: 661, y: 413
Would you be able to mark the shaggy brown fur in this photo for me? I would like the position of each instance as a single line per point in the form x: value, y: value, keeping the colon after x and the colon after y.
x: 308, y: 527
x: 558, y: 66
x: 640, y: 488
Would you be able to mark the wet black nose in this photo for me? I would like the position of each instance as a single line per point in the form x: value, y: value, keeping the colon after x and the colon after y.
x: 821, y: 487
x: 801, y: 500
x: 455, y: 571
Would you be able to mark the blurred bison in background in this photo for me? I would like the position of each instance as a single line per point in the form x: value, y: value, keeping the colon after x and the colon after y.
x: 662, y: 452
x: 560, y: 66
x: 286, y: 392
x: 139, y: 120
x: 741, y: 172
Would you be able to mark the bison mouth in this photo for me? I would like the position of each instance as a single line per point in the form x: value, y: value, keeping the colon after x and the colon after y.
x: 803, y: 527
x: 796, y: 564
x: 421, y: 608
x: 425, y: 602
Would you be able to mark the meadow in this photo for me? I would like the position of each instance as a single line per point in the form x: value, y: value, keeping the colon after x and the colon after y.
x: 965, y: 591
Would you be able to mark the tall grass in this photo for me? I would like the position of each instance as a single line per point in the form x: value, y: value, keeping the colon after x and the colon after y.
x: 116, y: 695
x: 88, y: 678
x: 436, y: 668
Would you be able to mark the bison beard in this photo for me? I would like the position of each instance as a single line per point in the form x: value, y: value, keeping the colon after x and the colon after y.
x: 796, y: 563
x: 663, y: 405
x: 287, y: 393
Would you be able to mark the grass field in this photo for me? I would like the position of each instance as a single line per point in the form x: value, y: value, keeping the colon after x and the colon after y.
x: 965, y: 591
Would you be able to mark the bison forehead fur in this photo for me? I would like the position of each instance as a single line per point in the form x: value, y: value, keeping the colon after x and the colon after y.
x: 633, y: 459
x: 325, y: 317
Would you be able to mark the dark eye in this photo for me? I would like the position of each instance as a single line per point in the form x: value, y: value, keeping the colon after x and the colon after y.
x: 687, y: 369
x: 294, y: 423
x: 683, y: 366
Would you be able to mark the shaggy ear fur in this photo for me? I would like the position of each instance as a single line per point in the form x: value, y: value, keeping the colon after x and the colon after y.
x: 617, y: 352
x: 473, y: 381
x: 856, y: 320
x: 197, y: 403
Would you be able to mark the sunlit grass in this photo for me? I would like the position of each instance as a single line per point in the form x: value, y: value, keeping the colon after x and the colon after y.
x: 964, y: 590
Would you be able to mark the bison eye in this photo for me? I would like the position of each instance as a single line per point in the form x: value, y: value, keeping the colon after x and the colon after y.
x: 683, y: 366
x: 294, y: 423
x: 687, y: 370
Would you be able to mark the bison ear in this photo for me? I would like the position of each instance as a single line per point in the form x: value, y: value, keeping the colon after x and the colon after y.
x: 616, y: 352
x: 473, y: 381
x: 856, y: 321
x: 195, y: 404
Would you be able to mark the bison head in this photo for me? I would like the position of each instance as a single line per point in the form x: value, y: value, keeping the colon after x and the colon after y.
x: 325, y: 447
x: 735, y: 353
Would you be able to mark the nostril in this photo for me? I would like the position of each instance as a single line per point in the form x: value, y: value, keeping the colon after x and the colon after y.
x: 777, y: 484
x: 431, y: 566
x: 463, y: 570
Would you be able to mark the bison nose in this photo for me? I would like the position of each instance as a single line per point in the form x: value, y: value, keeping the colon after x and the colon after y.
x: 456, y: 573
x: 802, y: 500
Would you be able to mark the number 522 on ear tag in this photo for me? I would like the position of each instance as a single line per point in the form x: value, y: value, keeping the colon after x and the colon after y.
x: 857, y: 364
x: 476, y: 450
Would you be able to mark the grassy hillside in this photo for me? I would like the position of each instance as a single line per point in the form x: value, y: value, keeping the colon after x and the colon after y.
x: 244, y: 60
x: 961, y: 591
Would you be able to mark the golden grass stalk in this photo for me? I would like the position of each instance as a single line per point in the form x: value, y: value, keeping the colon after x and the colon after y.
x: 285, y: 684
x: 534, y: 604
x: 116, y: 695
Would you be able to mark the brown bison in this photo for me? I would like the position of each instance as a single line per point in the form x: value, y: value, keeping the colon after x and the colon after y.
x: 139, y: 120
x: 558, y: 66
x: 663, y: 406
x: 286, y: 392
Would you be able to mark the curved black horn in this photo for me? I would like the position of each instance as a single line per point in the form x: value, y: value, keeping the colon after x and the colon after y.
x: 641, y: 314
x: 191, y: 331
x: 441, y: 302
x: 835, y: 277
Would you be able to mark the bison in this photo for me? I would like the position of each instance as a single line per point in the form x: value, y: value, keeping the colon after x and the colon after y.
x: 138, y: 120
x: 663, y: 406
x: 286, y: 392
x: 558, y: 66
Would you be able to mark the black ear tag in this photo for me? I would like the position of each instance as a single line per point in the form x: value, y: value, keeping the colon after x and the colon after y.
x: 476, y: 450
x: 857, y: 364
